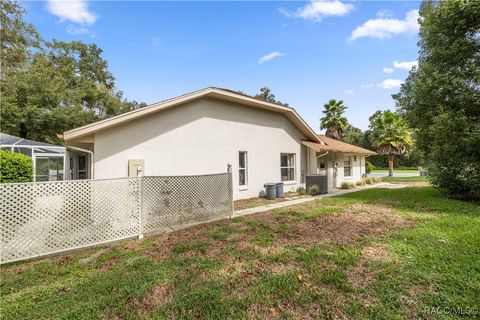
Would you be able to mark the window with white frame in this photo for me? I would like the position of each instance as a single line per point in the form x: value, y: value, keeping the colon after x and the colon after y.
x: 347, y: 167
x: 242, y: 168
x: 287, y: 166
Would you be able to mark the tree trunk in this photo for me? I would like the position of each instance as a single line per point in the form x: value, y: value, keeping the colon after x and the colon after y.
x: 23, y: 130
x: 390, y: 165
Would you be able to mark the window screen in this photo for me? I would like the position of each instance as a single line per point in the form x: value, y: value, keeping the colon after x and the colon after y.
x: 242, y: 168
x: 287, y: 166
x: 347, y: 167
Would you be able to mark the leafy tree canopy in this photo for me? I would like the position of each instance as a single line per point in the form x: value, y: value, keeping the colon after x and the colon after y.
x: 441, y: 98
x: 17, y: 37
x: 50, y: 87
x: 333, y: 120
x: 353, y: 135
x: 267, y: 95
x: 390, y: 135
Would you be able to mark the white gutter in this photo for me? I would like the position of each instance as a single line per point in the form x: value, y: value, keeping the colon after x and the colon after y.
x: 322, y: 155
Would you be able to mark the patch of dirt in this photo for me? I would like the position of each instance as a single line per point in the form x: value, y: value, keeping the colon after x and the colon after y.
x: 360, y: 276
x: 19, y: 268
x: 280, y: 268
x: 107, y: 265
x: 159, y: 295
x: 65, y: 259
x: 165, y: 243
x: 94, y: 256
x: 328, y: 306
x: 376, y: 253
x: 270, y: 250
x: 347, y: 227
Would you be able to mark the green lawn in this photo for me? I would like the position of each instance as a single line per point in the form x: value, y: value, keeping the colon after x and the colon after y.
x: 408, y: 180
x: 376, y: 253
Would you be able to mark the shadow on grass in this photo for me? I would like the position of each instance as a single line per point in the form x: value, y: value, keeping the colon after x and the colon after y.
x: 437, y: 261
x: 424, y: 199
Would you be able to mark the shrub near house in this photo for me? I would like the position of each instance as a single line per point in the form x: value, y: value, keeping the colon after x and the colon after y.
x: 15, y: 167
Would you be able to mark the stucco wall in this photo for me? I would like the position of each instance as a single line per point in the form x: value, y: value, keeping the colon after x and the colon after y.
x: 202, y: 137
x: 358, y: 168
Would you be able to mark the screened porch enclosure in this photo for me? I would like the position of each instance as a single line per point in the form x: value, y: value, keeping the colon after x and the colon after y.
x: 49, y: 168
x: 49, y: 160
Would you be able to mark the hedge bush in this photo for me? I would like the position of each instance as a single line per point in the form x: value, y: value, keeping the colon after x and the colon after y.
x: 15, y: 167
x: 359, y: 183
x: 348, y: 185
x: 369, y: 167
x: 301, y: 191
x: 313, y: 190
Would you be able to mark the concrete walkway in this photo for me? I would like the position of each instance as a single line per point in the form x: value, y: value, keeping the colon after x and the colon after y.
x: 380, y: 174
x: 293, y: 202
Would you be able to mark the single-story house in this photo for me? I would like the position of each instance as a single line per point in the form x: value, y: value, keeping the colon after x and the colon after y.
x: 48, y: 160
x: 205, y: 131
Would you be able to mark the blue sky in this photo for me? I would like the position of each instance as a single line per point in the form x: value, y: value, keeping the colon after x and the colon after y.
x: 307, y: 52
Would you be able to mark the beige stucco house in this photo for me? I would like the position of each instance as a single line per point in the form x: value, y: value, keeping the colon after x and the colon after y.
x: 205, y: 131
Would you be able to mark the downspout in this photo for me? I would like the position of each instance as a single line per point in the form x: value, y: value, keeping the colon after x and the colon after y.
x: 86, y: 151
x: 307, y: 171
x: 322, y: 155
x: 335, y: 171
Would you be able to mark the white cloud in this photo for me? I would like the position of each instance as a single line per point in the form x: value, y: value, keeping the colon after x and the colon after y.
x: 385, y: 28
x: 388, y: 70
x: 348, y: 91
x: 318, y: 9
x: 74, y: 30
x: 367, y: 86
x: 80, y: 31
x: 270, y: 56
x: 390, y: 84
x: 407, y: 65
x: 385, y: 13
x: 72, y: 10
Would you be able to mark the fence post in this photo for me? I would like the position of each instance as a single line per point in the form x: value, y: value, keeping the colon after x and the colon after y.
x: 230, y: 188
x: 140, y: 192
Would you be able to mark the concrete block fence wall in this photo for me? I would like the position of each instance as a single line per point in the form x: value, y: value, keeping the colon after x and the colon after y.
x: 43, y: 218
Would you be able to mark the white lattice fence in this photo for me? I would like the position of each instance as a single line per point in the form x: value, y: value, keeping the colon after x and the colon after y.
x: 177, y: 200
x: 47, y: 217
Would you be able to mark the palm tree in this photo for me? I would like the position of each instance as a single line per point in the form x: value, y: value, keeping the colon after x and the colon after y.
x: 333, y: 119
x: 391, y: 135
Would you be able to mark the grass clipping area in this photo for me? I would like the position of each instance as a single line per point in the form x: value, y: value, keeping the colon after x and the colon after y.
x: 376, y: 253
